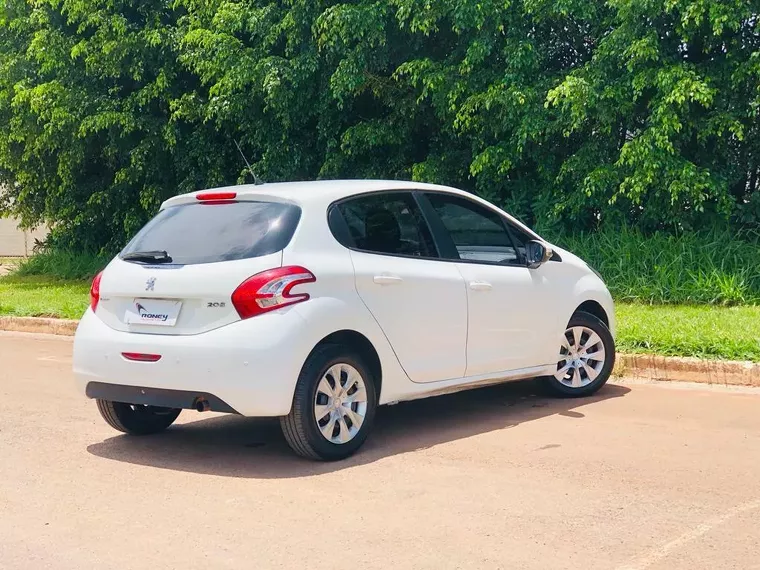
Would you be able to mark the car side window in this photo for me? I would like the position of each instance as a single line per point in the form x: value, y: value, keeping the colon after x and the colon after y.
x: 479, y: 234
x: 389, y: 223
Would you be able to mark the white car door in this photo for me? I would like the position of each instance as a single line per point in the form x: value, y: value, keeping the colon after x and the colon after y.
x: 419, y: 302
x: 508, y: 320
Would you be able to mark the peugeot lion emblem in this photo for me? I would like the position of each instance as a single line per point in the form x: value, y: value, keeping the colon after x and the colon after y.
x: 150, y: 283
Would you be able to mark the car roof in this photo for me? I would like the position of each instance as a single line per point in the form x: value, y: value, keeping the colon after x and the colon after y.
x: 324, y: 192
x: 315, y: 190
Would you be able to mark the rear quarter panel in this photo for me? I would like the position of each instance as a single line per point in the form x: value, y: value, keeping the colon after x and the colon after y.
x: 335, y: 304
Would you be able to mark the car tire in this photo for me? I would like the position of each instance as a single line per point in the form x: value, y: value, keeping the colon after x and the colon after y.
x: 136, y: 419
x: 577, y: 374
x: 304, y: 431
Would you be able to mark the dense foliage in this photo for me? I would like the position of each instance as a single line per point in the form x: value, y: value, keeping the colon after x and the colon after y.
x: 574, y: 113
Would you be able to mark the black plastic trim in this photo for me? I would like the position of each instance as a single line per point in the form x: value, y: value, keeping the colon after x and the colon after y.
x: 446, y: 247
x: 142, y: 395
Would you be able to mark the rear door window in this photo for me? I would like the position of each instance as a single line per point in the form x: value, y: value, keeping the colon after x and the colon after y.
x: 208, y: 233
x: 389, y: 223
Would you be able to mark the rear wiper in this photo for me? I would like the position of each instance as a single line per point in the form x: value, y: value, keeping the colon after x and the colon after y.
x: 148, y: 256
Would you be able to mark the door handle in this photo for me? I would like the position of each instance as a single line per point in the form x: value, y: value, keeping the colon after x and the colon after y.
x: 480, y: 286
x: 387, y: 279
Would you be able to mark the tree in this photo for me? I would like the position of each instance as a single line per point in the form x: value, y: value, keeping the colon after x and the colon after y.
x: 572, y: 113
x: 88, y: 140
x: 666, y: 114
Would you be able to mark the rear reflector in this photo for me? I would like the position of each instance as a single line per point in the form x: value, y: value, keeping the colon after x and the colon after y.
x: 216, y: 196
x: 141, y: 357
x: 271, y: 290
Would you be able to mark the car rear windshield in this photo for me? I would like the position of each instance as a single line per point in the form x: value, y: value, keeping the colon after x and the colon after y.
x: 207, y: 233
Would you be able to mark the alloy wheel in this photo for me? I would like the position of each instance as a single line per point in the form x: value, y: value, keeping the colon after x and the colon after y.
x: 340, y: 403
x: 581, y: 357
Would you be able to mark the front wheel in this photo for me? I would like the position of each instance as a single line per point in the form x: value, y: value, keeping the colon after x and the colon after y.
x: 586, y: 357
x: 136, y: 419
x: 333, y: 405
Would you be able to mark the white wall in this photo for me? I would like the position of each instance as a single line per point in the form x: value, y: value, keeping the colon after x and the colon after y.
x: 14, y: 242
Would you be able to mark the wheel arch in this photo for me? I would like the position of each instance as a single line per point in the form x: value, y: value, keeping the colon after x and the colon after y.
x: 593, y: 308
x: 363, y: 347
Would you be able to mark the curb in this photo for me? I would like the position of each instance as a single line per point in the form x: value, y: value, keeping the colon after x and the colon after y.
x: 685, y: 369
x: 638, y: 366
x: 39, y: 325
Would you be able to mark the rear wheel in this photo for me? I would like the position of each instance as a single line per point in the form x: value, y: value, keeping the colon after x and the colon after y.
x: 586, y: 357
x: 136, y: 419
x: 333, y: 406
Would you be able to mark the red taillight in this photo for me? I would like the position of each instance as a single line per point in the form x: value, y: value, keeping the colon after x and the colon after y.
x: 95, y: 291
x: 141, y: 356
x: 270, y: 290
x: 216, y: 196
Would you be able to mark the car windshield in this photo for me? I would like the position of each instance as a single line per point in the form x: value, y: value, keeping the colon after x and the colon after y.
x: 207, y: 233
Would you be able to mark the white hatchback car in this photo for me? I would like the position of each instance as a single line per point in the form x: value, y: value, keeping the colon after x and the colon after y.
x: 316, y: 302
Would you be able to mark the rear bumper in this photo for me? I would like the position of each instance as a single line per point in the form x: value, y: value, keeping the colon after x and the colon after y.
x: 250, y: 366
x: 156, y: 397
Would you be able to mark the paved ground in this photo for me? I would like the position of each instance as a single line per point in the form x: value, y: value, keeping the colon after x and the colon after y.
x: 642, y: 476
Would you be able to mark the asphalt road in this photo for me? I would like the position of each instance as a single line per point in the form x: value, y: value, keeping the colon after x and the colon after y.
x: 640, y: 476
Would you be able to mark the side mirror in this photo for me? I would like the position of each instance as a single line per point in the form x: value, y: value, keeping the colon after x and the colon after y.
x: 537, y: 253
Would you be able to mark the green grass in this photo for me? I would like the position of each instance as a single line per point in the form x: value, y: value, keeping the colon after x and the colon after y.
x: 695, y: 294
x: 709, y: 267
x: 62, y: 265
x: 36, y: 296
x: 706, y: 332
x: 731, y: 333
x: 54, y: 284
